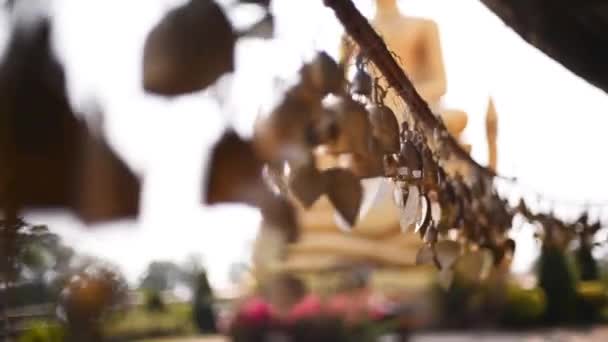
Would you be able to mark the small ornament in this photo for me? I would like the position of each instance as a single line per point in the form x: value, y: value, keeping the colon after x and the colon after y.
x: 410, y: 209
x: 436, y: 213
x: 400, y: 194
x: 423, y: 216
x: 430, y: 234
x: 362, y: 83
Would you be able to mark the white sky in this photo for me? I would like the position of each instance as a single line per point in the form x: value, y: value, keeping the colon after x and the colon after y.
x: 550, y: 122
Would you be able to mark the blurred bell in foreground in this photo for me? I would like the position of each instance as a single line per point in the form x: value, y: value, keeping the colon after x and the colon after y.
x: 189, y: 49
x: 235, y: 176
x: 104, y: 188
x: 235, y: 173
x: 49, y: 157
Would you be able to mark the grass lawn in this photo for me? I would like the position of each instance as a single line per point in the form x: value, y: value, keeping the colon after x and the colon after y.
x: 188, y: 339
x: 137, y: 322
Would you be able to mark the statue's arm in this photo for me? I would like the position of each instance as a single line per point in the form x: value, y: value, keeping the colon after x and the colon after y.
x: 434, y: 85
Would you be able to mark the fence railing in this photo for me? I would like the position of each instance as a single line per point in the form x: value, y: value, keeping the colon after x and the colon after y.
x: 18, y: 318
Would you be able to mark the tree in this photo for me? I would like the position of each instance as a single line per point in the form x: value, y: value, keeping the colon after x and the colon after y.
x: 162, y: 276
x: 571, y: 33
x: 87, y: 297
x: 204, y: 314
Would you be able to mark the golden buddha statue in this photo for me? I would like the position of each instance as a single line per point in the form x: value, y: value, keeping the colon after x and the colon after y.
x: 376, y: 238
x: 416, y: 43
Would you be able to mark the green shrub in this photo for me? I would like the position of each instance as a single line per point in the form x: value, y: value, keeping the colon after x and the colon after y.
x: 139, y: 322
x: 524, y: 306
x: 557, y: 280
x: 153, y: 301
x: 587, y: 265
x: 42, y: 331
x: 203, y: 312
x: 592, y: 296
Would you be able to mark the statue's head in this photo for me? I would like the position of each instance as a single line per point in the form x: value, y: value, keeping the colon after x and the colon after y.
x: 383, y: 3
x: 386, y: 6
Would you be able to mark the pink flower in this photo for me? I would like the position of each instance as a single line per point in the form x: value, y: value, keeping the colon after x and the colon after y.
x: 255, y: 311
x: 378, y: 313
x: 310, y: 306
x: 351, y: 307
x: 339, y: 304
x: 380, y: 307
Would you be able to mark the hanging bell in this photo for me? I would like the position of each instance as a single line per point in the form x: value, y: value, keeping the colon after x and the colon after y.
x: 307, y: 184
x: 446, y: 252
x: 391, y: 165
x: 323, y: 75
x: 189, y: 49
x: 286, y: 134
x: 410, y: 162
x: 430, y: 170
x: 104, y: 187
x: 50, y: 158
x: 345, y: 193
x: 235, y: 173
x: 384, y: 127
x: 355, y: 133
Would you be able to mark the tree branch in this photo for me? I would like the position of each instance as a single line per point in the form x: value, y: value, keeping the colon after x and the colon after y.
x: 374, y: 47
x: 573, y: 33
